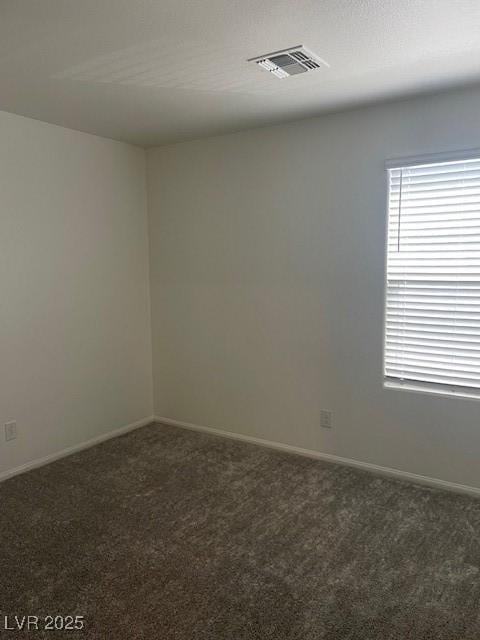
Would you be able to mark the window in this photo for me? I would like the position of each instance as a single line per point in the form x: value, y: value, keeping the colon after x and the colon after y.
x: 432, y: 317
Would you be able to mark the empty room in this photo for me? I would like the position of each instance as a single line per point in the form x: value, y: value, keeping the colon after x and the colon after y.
x: 240, y: 319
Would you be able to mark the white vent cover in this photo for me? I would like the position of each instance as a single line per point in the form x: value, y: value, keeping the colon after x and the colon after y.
x: 289, y: 62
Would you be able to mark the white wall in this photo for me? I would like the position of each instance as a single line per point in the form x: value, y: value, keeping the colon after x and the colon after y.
x: 267, y: 273
x: 75, y: 347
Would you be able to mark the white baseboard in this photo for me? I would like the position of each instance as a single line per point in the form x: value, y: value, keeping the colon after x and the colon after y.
x: 318, y: 455
x: 39, y: 462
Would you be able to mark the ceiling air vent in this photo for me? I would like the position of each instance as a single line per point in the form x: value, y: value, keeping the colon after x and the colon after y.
x: 289, y: 62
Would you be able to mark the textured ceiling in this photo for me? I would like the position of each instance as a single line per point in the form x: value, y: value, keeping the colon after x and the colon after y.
x: 154, y: 71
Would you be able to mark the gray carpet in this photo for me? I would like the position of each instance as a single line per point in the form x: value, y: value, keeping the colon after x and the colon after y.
x: 171, y: 534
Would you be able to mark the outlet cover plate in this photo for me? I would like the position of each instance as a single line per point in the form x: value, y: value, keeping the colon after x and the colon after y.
x: 326, y: 419
x: 10, y: 431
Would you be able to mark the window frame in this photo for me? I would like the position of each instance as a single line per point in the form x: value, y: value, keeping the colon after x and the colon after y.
x: 412, y: 386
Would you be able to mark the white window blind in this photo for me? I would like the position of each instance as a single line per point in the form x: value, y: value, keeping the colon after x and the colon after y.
x: 432, y: 326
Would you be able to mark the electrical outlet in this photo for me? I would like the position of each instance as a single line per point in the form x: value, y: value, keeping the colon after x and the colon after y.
x: 10, y: 431
x: 326, y: 419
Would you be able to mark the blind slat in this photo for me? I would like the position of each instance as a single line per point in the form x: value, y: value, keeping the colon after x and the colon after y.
x: 431, y: 355
x: 435, y: 368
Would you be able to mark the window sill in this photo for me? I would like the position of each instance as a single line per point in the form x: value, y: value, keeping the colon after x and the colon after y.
x: 436, y: 391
